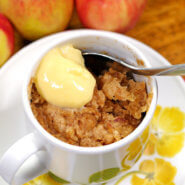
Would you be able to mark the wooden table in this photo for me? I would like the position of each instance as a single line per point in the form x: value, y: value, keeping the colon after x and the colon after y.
x: 162, y: 26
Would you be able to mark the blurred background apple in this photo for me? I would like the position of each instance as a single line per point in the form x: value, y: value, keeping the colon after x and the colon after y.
x: 33, y: 19
x: 6, y: 39
x: 37, y: 18
x: 111, y: 15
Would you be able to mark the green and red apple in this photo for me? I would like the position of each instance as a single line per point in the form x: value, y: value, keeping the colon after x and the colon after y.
x: 111, y: 15
x: 37, y: 18
x: 6, y: 39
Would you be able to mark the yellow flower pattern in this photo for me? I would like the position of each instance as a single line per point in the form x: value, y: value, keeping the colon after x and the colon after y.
x: 157, y: 172
x: 167, y: 131
x: 43, y: 180
x: 135, y: 150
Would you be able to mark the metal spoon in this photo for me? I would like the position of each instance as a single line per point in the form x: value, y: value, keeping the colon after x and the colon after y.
x: 173, y: 70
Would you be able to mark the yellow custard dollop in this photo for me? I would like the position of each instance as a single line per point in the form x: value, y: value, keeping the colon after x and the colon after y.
x: 63, y: 80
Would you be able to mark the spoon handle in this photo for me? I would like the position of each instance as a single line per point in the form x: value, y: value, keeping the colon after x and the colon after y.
x: 173, y: 70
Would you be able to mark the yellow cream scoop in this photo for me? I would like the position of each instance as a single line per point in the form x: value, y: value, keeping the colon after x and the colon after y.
x: 62, y: 79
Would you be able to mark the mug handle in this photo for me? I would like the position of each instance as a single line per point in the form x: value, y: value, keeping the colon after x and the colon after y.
x: 15, y: 156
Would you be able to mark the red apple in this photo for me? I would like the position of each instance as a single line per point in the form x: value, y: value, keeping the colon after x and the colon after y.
x: 111, y: 15
x: 37, y: 18
x: 6, y: 39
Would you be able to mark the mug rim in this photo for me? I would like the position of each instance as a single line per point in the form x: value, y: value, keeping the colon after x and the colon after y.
x: 100, y: 149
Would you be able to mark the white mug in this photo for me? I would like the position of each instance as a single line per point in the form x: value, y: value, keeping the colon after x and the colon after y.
x: 83, y: 165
